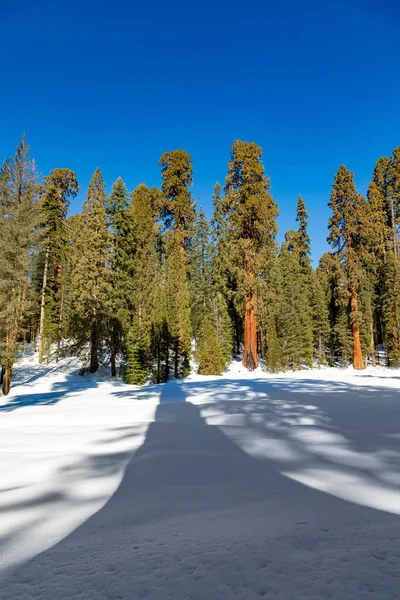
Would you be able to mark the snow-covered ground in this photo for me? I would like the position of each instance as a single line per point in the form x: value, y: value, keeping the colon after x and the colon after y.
x: 242, y: 486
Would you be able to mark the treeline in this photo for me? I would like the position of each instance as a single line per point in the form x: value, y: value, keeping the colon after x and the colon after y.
x: 135, y: 278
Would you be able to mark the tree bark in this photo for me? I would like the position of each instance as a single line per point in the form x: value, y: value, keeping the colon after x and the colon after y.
x: 113, y: 352
x: 250, y: 358
x: 358, y: 362
x: 6, y: 381
x: 373, y: 357
x: 94, y: 361
x: 60, y: 310
x: 7, y: 369
x: 42, y: 304
x: 176, y: 360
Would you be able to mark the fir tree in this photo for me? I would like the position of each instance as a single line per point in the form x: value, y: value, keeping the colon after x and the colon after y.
x: 90, y: 276
x: 121, y: 240
x: 209, y: 352
x: 178, y: 214
x: 346, y: 239
x: 18, y: 214
x: 223, y: 272
x: 145, y: 277
x: 59, y: 187
x: 252, y: 224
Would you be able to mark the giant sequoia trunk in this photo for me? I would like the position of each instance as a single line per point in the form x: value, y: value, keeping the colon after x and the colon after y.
x: 250, y: 358
x: 6, y: 381
x: 358, y: 362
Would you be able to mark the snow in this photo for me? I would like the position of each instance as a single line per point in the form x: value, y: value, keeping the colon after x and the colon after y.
x: 245, y: 486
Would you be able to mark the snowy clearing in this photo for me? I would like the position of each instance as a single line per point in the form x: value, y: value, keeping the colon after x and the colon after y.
x: 242, y: 486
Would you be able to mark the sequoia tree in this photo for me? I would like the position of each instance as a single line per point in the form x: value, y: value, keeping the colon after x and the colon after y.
x: 252, y: 213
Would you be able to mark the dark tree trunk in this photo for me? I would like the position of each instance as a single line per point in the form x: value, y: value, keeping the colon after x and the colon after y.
x: 94, y: 361
x: 113, y: 362
x: 158, y: 360
x: 176, y: 360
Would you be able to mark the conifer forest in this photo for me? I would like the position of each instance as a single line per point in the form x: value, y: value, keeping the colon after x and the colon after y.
x: 140, y: 281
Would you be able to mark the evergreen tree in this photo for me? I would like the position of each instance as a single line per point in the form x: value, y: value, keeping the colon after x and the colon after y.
x: 18, y: 212
x: 178, y: 214
x: 121, y: 240
x: 136, y: 370
x: 59, y: 186
x: 346, y: 239
x: 252, y: 226
x: 209, y: 351
x: 145, y: 277
x: 200, y: 271
x: 382, y: 231
x: 90, y: 276
x: 223, y: 273
x: 294, y: 319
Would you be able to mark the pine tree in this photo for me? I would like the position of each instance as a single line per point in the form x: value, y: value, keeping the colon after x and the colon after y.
x: 59, y: 186
x: 18, y: 213
x: 200, y: 271
x: 178, y: 214
x: 294, y: 320
x: 303, y: 246
x: 223, y: 273
x: 209, y: 352
x: 382, y: 230
x: 145, y: 277
x: 346, y: 239
x: 121, y: 240
x: 90, y: 276
x: 136, y: 370
x: 252, y: 224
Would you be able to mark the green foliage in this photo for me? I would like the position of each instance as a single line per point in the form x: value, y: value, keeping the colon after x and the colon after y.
x: 18, y: 218
x: 58, y: 188
x: 136, y: 367
x: 178, y: 214
x: 209, y: 352
x: 90, y: 277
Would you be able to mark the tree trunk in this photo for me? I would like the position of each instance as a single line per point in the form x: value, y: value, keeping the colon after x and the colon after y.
x: 176, y: 359
x: 6, y: 381
x: 42, y: 304
x: 358, y: 362
x: 158, y: 359
x: 167, y: 358
x: 250, y: 358
x: 94, y: 361
x: 394, y: 230
x: 373, y: 357
x: 113, y: 351
x: 319, y: 351
x: 60, y: 312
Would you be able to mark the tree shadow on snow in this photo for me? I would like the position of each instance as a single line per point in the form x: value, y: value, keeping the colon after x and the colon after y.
x: 210, y: 508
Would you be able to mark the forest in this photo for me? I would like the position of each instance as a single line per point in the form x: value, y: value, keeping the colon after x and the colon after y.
x: 138, y: 281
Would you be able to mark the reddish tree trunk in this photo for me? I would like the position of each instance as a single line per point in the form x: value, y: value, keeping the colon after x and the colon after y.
x: 6, y: 381
x: 358, y: 362
x: 250, y: 358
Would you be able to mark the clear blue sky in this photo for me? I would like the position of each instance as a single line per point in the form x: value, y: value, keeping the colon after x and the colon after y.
x: 114, y: 84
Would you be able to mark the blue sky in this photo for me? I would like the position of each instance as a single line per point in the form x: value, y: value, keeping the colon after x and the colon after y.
x: 115, y: 84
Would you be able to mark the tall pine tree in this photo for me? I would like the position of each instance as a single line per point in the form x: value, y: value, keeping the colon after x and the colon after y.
x: 90, y: 276
x: 345, y: 237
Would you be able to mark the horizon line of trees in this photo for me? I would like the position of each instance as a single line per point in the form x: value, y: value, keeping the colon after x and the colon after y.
x: 135, y: 277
